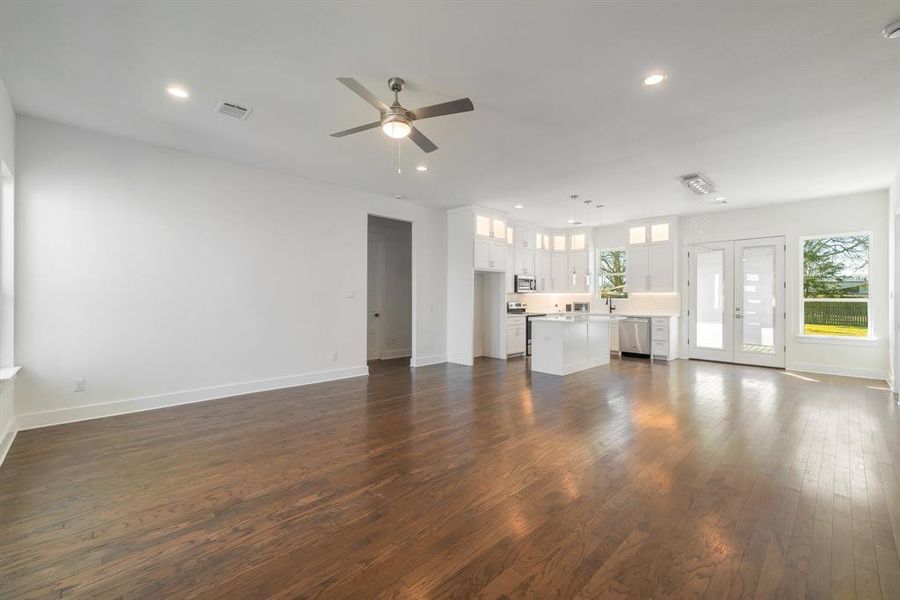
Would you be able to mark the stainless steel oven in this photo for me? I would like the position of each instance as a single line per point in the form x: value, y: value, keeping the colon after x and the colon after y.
x: 525, y: 284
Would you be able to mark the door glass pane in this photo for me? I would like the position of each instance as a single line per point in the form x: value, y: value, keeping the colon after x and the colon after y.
x: 710, y: 299
x: 757, y: 307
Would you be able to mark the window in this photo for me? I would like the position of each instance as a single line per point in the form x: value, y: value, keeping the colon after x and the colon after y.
x: 611, y: 273
x: 637, y: 235
x: 836, y: 285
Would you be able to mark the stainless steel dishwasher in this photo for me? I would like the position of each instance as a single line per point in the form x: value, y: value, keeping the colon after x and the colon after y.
x: 634, y: 335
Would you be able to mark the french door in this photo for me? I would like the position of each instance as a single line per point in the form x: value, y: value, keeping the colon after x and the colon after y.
x: 736, y: 310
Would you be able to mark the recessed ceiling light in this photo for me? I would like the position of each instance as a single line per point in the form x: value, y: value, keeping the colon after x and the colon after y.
x: 421, y: 168
x: 654, y: 79
x: 399, y: 197
x: 519, y: 206
x: 571, y: 221
x: 178, y: 92
x: 892, y: 31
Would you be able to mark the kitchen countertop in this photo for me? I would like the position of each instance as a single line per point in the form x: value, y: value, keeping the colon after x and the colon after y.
x: 571, y: 317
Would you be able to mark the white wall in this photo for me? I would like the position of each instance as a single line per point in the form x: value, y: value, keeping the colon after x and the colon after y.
x: 164, y: 277
x: 894, y: 277
x: 7, y: 159
x: 844, y: 214
x: 396, y: 309
x: 460, y: 287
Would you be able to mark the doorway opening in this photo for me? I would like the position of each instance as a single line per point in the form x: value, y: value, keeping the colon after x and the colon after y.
x: 736, y: 310
x: 389, y: 290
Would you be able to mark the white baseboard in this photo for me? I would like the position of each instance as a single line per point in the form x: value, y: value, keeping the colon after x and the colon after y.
x: 132, y: 405
x: 389, y: 354
x: 6, y: 438
x: 424, y: 361
x: 844, y: 371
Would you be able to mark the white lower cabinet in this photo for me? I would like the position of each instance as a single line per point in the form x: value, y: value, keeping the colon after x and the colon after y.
x: 664, y: 338
x: 614, y: 335
x: 515, y: 334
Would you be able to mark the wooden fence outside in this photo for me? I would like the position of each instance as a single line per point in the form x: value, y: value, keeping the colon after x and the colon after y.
x: 849, y: 314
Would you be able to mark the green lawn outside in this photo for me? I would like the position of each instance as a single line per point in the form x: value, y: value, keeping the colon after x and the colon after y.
x: 845, y: 330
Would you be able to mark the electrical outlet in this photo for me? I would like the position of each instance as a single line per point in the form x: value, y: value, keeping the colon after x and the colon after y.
x: 79, y: 385
x: 333, y: 356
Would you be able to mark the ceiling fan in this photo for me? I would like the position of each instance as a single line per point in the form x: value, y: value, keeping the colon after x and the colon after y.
x: 396, y: 121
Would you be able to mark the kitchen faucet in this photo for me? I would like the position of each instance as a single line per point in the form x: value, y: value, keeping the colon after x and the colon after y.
x: 609, y: 303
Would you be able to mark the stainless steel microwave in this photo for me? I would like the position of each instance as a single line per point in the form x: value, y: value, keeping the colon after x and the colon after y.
x: 525, y: 284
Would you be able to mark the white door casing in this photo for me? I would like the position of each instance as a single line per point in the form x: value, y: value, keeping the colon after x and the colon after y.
x: 736, y: 301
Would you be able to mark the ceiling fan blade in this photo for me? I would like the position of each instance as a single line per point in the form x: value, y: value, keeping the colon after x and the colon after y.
x: 357, y: 88
x: 371, y: 125
x: 421, y: 141
x: 445, y: 108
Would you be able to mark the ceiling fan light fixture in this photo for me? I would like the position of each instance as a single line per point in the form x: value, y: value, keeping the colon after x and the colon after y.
x: 396, y: 126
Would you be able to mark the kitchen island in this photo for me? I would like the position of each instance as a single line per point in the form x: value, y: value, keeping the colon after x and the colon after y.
x: 561, y: 345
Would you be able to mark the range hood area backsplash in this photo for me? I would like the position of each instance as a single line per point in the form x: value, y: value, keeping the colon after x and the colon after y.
x: 634, y: 304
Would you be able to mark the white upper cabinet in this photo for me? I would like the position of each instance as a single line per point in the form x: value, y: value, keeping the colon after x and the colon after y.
x: 578, y: 241
x: 651, y: 256
x: 659, y: 232
x: 525, y: 237
x: 660, y: 270
x: 483, y: 226
x: 524, y: 262
x: 637, y: 265
x: 541, y: 241
x: 498, y: 228
x: 578, y: 279
x: 542, y: 271
x: 637, y: 234
x: 559, y: 243
x: 510, y: 235
x: 489, y: 256
x: 559, y: 271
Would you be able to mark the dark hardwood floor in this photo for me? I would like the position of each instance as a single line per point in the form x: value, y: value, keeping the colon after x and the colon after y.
x: 684, y: 480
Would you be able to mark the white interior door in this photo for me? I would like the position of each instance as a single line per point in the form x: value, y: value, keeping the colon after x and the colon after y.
x: 736, y: 310
x: 711, y: 302
x: 375, y: 264
x: 759, y: 309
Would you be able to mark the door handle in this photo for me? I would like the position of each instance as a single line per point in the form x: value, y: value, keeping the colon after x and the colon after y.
x: 376, y: 315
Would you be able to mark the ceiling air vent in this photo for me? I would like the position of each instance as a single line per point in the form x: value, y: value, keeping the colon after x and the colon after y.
x: 698, y: 184
x: 233, y: 110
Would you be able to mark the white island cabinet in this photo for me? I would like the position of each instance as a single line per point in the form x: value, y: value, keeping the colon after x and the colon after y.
x: 561, y: 345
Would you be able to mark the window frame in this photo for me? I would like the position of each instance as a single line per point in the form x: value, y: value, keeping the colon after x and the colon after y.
x: 801, y: 294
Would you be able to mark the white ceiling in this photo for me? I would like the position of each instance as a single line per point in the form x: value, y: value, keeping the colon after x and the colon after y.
x: 774, y: 101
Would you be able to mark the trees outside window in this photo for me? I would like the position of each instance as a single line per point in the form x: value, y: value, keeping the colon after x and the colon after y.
x: 836, y: 285
x: 611, y: 273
